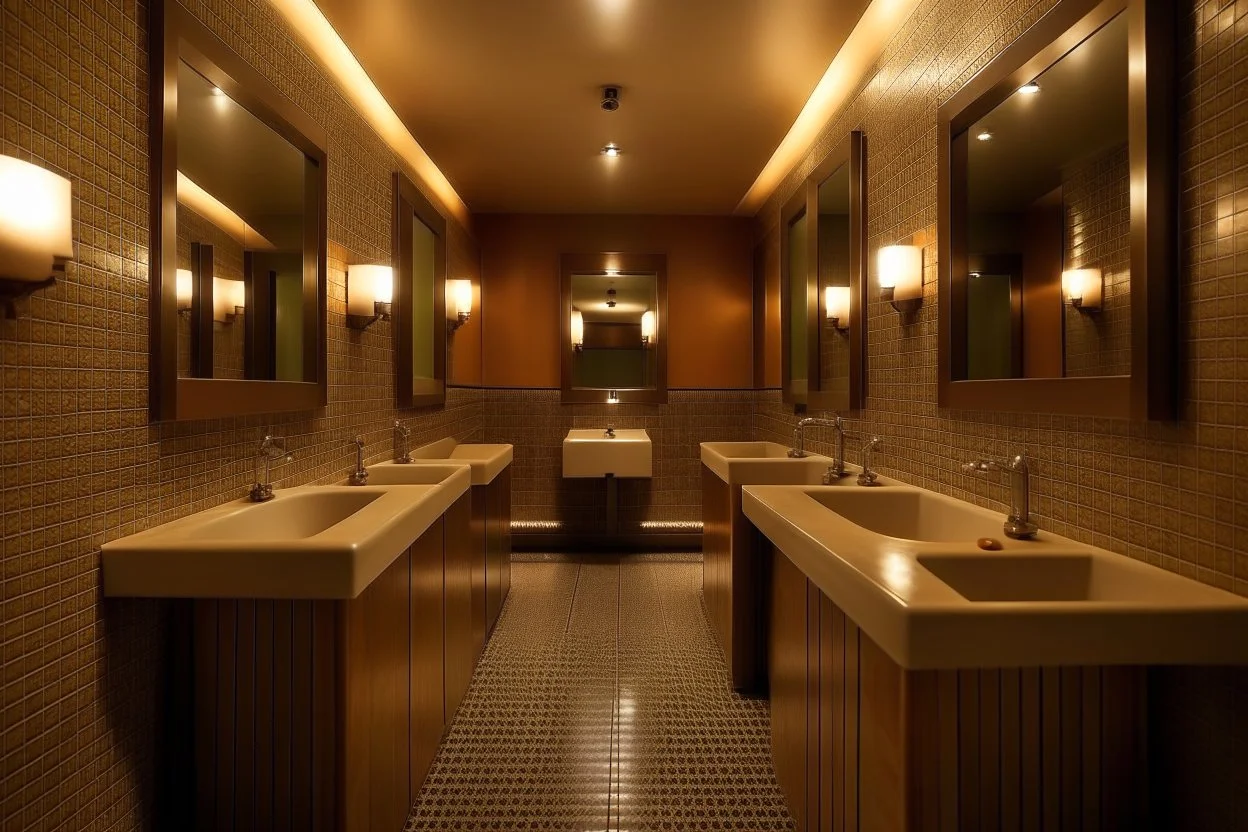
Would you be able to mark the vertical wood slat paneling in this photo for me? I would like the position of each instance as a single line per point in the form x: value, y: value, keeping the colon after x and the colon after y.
x: 245, y: 720
x: 325, y: 725
x: 1011, y: 749
x: 227, y: 649
x: 838, y: 752
x: 968, y: 747
x: 813, y: 609
x: 788, y: 653
x: 283, y: 724
x: 1072, y: 748
x: 1030, y: 745
x: 265, y: 712
x: 990, y: 750
x: 301, y: 716
x: 426, y: 664
x: 1050, y: 748
x: 1091, y: 819
x: 205, y: 692
x: 852, y: 685
x: 882, y: 745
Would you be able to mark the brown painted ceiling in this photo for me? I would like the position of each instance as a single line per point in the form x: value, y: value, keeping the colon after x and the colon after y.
x: 504, y: 94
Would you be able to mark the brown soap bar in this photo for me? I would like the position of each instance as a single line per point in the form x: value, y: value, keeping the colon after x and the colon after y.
x: 989, y: 544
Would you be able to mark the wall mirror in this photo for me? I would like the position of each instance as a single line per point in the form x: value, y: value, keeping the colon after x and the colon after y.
x: 1056, y: 225
x: 238, y: 235
x: 823, y: 283
x: 614, y: 313
x: 420, y: 331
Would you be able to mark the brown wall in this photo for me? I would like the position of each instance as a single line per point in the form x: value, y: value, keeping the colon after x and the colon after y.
x: 1173, y: 494
x: 709, y: 290
x: 81, y: 677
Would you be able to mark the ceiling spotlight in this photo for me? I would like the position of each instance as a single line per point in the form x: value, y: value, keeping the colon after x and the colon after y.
x: 611, y: 298
x: 983, y: 136
x: 1029, y: 89
x: 611, y: 150
x: 610, y: 99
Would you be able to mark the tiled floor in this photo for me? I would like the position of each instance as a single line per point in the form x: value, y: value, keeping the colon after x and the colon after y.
x: 602, y: 703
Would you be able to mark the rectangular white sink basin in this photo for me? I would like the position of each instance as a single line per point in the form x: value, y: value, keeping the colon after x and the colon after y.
x: 309, y: 542
x: 912, y: 514
x: 903, y: 564
x: 485, y: 460
x: 591, y: 453
x: 769, y: 463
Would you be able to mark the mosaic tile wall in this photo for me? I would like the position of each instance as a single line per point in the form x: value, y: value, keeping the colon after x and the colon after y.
x: 535, y: 423
x: 81, y: 677
x: 1097, y: 202
x: 1173, y: 494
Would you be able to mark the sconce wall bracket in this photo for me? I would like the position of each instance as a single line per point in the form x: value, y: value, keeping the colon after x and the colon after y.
x: 11, y: 291
x: 362, y: 322
x: 459, y: 320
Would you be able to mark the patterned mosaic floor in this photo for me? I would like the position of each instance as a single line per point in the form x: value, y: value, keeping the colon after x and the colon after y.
x: 602, y: 703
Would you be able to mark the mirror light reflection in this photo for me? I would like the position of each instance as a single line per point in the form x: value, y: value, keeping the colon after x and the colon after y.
x: 614, y: 326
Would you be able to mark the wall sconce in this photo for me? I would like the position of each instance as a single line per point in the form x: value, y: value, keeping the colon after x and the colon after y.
x: 36, y: 229
x: 185, y: 290
x: 836, y: 306
x: 578, y: 330
x: 1083, y: 287
x: 901, y: 276
x: 647, y: 327
x: 613, y: 397
x: 458, y: 303
x: 229, y: 297
x: 370, y: 290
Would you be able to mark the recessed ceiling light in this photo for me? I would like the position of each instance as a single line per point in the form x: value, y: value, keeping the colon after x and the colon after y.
x: 1029, y: 89
x: 983, y: 136
x: 218, y: 91
x: 611, y: 149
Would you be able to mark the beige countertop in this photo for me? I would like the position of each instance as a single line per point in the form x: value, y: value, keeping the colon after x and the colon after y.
x: 486, y: 461
x: 1050, y: 601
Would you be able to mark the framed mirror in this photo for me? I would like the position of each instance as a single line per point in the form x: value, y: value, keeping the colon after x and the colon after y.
x: 237, y: 320
x: 420, y: 329
x: 1057, y: 237
x: 823, y: 283
x: 614, y: 321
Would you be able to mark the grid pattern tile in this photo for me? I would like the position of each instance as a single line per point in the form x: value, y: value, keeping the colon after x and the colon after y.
x: 602, y: 703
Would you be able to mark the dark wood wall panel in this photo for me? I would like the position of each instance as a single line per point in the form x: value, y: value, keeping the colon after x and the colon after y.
x: 789, y: 683
x: 463, y: 550
x: 496, y: 497
x: 428, y: 709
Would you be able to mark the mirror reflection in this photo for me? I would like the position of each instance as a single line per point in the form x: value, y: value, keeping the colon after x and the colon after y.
x: 241, y: 214
x: 424, y: 287
x: 799, y: 310
x: 1048, y: 221
x: 833, y: 247
x: 614, y: 328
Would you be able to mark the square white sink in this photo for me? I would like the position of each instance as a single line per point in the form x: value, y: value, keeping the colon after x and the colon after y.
x: 592, y: 453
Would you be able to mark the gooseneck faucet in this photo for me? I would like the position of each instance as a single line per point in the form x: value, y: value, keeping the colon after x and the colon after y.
x: 609, y: 433
x: 837, y: 469
x: 360, y: 475
x: 272, y: 448
x: 402, y: 434
x: 868, y: 476
x: 1018, y: 524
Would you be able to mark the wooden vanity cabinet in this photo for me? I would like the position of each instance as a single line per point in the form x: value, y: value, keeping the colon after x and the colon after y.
x: 465, y: 600
x: 496, y: 501
x: 324, y: 714
x: 732, y: 581
x: 859, y: 743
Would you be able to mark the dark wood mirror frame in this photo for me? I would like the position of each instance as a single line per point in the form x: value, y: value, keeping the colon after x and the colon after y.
x: 570, y: 264
x: 849, y: 151
x: 176, y: 36
x: 1150, y: 389
x: 409, y: 390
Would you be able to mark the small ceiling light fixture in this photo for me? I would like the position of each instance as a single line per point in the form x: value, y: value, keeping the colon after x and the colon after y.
x: 984, y: 136
x: 610, y: 99
x: 611, y: 298
x: 836, y: 307
x: 36, y: 229
x: 578, y: 330
x: 458, y: 302
x: 1030, y: 88
x: 901, y: 276
x: 611, y: 149
x: 1083, y: 288
x: 647, y: 327
x: 370, y: 291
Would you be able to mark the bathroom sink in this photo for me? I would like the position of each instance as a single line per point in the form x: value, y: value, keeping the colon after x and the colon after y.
x: 485, y: 460
x: 912, y: 514
x: 296, y: 516
x: 1001, y: 578
x: 769, y: 463
x: 326, y: 541
x: 592, y: 453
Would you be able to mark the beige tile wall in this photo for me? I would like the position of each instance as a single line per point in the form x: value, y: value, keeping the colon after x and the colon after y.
x: 1173, y: 494
x: 81, y: 677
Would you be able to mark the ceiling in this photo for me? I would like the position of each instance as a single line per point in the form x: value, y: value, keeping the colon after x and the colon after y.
x: 634, y: 294
x: 504, y: 96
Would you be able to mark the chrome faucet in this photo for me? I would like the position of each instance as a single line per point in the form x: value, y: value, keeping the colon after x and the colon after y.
x: 837, y: 469
x: 272, y: 448
x: 360, y: 475
x: 402, y: 433
x: 1018, y: 524
x: 610, y: 432
x: 868, y: 476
